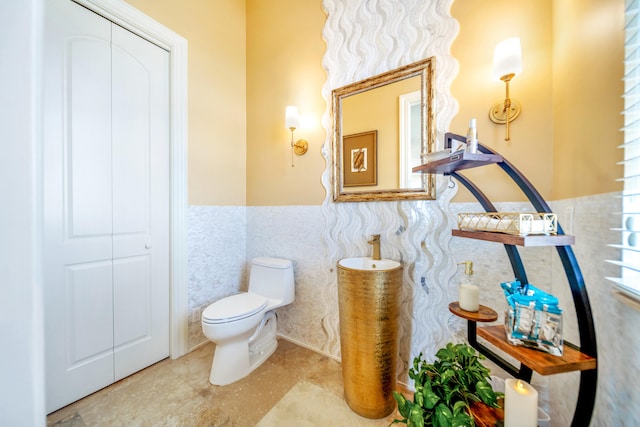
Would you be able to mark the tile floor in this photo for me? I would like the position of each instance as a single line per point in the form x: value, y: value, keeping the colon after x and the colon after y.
x: 178, y: 393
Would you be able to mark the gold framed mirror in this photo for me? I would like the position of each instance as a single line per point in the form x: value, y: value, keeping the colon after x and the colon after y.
x: 383, y: 126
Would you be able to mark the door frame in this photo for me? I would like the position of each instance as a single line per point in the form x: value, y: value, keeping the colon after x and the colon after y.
x: 135, y: 21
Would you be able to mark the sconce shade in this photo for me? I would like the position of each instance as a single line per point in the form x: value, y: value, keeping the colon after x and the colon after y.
x: 507, y: 62
x: 292, y: 120
x: 507, y: 58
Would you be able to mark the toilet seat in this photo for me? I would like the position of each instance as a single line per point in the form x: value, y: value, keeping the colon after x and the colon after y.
x: 233, y: 308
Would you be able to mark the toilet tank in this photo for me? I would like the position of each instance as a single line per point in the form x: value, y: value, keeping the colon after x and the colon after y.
x: 273, y: 278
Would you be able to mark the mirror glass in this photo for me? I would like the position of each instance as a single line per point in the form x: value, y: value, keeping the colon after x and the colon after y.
x: 383, y: 127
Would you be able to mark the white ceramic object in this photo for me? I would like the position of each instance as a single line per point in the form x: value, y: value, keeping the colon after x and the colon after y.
x: 369, y: 264
x: 243, y: 326
x: 497, y: 383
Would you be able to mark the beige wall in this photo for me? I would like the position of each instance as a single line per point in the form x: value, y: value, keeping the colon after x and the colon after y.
x: 566, y: 137
x: 588, y: 70
x: 216, y: 34
x: 247, y: 61
x: 284, y: 67
x: 483, y: 25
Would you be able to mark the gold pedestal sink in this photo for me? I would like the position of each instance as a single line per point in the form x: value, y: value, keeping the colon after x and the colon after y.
x: 369, y: 304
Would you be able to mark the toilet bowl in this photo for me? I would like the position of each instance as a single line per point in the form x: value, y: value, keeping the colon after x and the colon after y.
x: 244, y: 325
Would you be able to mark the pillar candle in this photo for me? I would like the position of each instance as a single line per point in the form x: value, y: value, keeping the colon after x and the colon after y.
x: 469, y: 297
x: 520, y: 404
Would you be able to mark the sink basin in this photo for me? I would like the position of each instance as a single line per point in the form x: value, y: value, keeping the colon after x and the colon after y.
x: 369, y: 264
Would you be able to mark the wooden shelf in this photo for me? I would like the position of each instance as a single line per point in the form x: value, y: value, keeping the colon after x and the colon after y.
x: 458, y: 161
x: 541, y: 362
x: 530, y: 359
x: 484, y: 314
x: 510, y: 239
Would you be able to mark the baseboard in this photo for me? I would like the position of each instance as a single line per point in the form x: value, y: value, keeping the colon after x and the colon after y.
x: 308, y: 347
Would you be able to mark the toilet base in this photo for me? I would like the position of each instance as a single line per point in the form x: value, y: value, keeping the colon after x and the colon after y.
x: 235, y: 360
x: 264, y: 342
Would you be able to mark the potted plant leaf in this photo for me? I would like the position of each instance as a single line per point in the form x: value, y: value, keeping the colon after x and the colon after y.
x: 453, y: 391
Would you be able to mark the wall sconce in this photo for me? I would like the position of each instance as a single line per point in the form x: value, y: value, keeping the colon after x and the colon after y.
x: 292, y: 122
x: 507, y: 62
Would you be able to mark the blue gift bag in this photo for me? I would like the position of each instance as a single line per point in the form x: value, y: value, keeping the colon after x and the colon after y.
x: 533, y: 319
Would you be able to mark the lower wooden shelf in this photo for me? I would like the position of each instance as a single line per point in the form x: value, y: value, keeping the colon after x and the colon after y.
x: 541, y: 362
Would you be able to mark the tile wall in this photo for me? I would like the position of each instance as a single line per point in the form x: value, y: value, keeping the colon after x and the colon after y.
x: 217, y: 245
x: 616, y: 318
x: 220, y: 248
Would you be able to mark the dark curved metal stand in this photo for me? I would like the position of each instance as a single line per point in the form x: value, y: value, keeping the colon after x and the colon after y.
x: 588, y: 378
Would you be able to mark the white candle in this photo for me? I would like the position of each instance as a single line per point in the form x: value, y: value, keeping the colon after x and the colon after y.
x: 520, y: 404
x: 469, y: 297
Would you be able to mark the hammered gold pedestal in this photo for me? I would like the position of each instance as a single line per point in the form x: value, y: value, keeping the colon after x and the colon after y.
x: 369, y: 304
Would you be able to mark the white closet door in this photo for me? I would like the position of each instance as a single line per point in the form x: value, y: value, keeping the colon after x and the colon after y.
x: 78, y: 283
x: 140, y: 202
x: 105, y: 203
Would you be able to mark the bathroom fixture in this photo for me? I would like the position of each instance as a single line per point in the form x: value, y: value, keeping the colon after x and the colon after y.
x: 243, y: 325
x: 507, y: 62
x: 292, y: 122
x: 375, y: 242
x: 369, y: 305
x: 369, y: 264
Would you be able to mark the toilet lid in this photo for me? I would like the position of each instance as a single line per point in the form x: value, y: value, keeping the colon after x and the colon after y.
x: 234, y: 307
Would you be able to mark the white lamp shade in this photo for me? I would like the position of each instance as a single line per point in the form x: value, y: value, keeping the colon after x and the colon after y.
x: 507, y: 58
x: 292, y: 120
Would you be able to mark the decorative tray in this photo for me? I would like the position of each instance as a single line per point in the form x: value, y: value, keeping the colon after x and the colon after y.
x: 517, y: 223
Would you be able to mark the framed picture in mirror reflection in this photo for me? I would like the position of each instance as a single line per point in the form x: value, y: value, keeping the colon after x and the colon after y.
x: 360, y: 159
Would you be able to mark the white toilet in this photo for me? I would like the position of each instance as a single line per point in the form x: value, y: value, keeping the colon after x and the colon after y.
x: 243, y: 326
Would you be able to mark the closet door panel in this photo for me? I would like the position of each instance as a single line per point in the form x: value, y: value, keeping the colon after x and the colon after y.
x: 90, y: 311
x: 141, y: 201
x: 132, y: 287
x: 131, y: 145
x: 77, y: 245
x: 88, y: 97
x: 105, y: 202
x: 86, y: 133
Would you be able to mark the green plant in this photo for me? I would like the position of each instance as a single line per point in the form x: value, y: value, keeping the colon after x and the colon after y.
x: 446, y: 389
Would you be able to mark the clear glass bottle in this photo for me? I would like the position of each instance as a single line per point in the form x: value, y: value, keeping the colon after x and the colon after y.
x: 468, y: 291
x: 472, y: 137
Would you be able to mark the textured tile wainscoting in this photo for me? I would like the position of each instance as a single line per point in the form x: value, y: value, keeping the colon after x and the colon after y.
x: 217, y: 259
x: 295, y: 233
x: 590, y: 219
